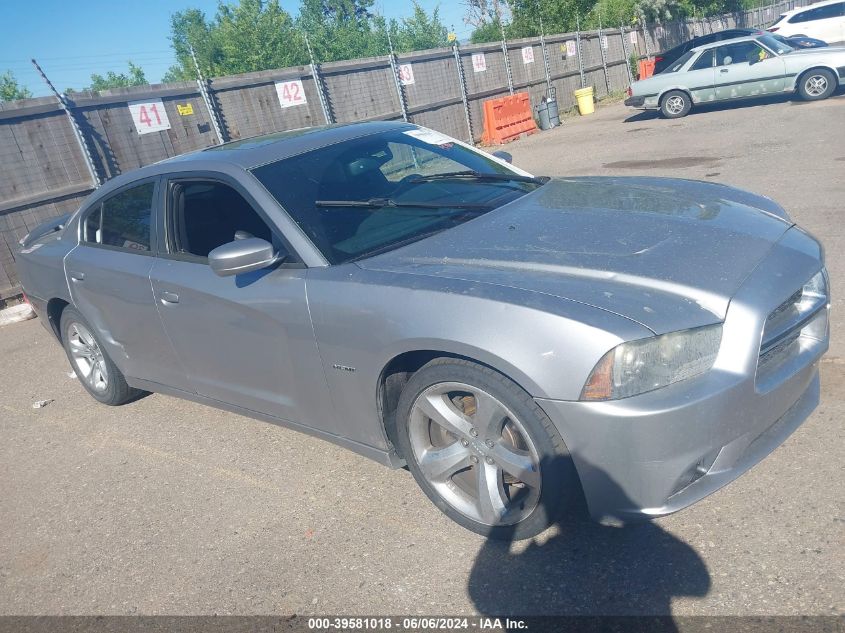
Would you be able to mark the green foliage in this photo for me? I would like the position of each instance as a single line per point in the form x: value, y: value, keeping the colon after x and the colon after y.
x: 135, y: 77
x: 252, y: 35
x: 10, y: 89
x: 421, y: 31
x: 559, y: 16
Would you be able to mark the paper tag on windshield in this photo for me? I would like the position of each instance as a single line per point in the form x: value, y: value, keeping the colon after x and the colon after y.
x: 431, y: 137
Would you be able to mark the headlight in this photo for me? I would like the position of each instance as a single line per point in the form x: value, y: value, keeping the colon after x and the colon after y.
x: 647, y: 364
x: 813, y: 294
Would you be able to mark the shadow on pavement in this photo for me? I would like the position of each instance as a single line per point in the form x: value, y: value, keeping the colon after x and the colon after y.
x: 587, y: 569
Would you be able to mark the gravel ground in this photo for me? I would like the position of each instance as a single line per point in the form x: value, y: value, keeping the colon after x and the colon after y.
x: 168, y: 507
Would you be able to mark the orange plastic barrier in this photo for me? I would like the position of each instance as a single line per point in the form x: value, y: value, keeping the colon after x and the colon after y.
x: 646, y: 67
x: 507, y: 118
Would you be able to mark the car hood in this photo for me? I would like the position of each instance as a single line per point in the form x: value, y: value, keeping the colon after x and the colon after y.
x: 668, y: 254
x: 822, y: 52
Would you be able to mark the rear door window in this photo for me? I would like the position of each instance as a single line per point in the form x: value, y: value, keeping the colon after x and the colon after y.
x: 819, y: 13
x: 679, y: 63
x: 123, y: 220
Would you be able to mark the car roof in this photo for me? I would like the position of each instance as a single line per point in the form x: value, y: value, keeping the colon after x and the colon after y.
x: 744, y: 38
x: 255, y: 151
x: 823, y: 3
x: 260, y: 150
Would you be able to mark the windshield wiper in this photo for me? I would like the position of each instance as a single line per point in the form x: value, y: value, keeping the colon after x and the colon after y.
x: 381, y: 203
x: 478, y: 175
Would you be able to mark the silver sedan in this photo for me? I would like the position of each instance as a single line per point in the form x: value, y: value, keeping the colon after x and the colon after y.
x: 741, y: 68
x: 515, y: 341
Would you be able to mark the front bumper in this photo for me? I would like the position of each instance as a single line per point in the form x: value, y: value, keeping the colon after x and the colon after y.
x: 656, y: 453
x: 653, y: 457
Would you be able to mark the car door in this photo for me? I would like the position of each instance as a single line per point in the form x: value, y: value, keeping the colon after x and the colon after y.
x: 746, y: 69
x: 701, y: 78
x: 109, y: 278
x: 245, y: 340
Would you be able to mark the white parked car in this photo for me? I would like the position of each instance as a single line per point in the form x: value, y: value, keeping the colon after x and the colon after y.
x: 741, y: 68
x: 823, y: 20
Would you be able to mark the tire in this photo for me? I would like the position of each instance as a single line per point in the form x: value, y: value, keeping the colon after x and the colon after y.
x: 675, y: 104
x: 95, y: 370
x: 816, y: 84
x: 519, y: 438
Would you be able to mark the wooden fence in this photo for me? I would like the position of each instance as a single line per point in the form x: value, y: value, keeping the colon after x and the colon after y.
x: 43, y: 170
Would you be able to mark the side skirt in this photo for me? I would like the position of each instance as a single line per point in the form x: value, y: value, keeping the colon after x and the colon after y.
x: 389, y: 459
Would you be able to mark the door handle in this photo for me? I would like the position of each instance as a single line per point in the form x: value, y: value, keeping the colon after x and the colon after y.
x: 168, y: 297
x: 724, y: 70
x: 76, y: 276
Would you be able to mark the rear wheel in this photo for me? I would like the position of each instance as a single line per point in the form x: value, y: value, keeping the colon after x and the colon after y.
x: 483, y: 450
x: 675, y: 104
x: 95, y: 370
x: 817, y: 84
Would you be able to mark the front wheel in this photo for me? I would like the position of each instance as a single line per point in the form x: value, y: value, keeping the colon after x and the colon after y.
x: 675, y: 104
x: 817, y: 84
x: 483, y: 451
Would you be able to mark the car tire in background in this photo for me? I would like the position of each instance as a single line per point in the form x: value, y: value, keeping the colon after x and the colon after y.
x: 816, y: 84
x: 483, y: 451
x: 675, y: 104
x: 95, y: 370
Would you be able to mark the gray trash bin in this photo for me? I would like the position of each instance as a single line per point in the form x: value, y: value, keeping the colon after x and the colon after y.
x: 543, y: 119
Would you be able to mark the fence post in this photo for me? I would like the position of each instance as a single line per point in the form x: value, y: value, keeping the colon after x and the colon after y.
x: 625, y: 53
x: 546, y: 65
x: 206, y: 97
x: 395, y: 70
x: 507, y: 56
x: 645, y: 37
x: 77, y: 131
x: 603, y: 58
x: 460, y: 68
x: 578, y: 46
x: 318, y: 82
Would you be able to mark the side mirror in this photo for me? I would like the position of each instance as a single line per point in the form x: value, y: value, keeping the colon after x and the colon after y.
x: 242, y: 256
x: 505, y: 156
x: 752, y: 58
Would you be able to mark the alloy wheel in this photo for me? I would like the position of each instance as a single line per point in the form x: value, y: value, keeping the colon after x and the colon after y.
x: 88, y: 357
x: 816, y: 85
x: 675, y: 105
x: 475, y: 453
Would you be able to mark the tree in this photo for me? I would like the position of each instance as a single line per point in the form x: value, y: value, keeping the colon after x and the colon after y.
x: 10, y: 89
x: 242, y: 37
x: 421, y: 31
x: 135, y: 77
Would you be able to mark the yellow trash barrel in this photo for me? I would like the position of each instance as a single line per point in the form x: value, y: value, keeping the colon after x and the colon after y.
x: 584, y: 97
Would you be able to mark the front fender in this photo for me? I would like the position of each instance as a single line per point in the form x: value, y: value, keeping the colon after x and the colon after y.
x: 364, y: 319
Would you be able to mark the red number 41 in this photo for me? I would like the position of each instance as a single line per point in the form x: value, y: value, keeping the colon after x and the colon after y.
x: 144, y: 117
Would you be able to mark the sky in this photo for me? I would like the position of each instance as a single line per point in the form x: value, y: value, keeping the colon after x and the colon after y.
x: 71, y: 39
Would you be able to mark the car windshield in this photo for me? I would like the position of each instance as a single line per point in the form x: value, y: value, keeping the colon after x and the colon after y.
x: 680, y: 62
x: 376, y: 193
x: 781, y: 48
